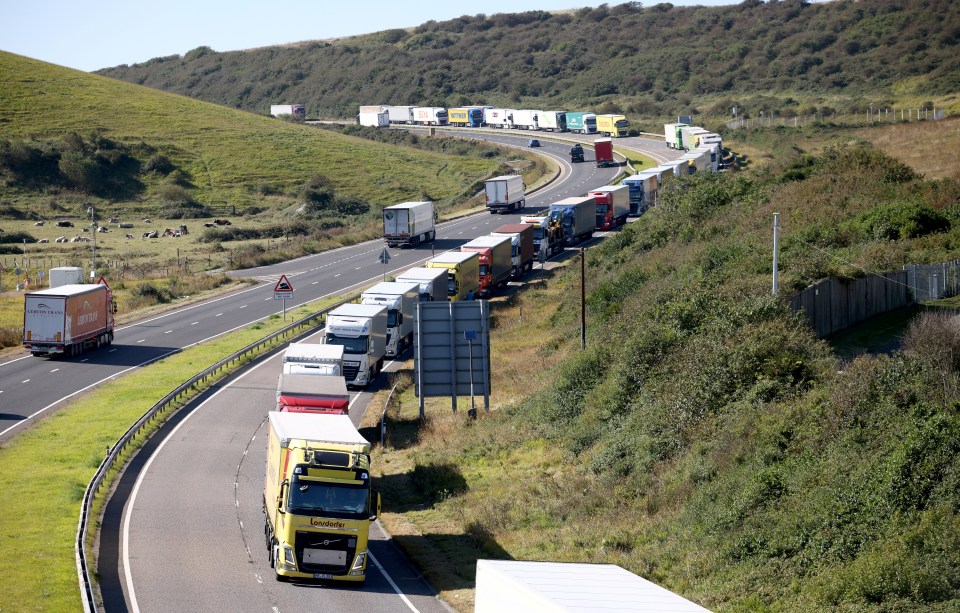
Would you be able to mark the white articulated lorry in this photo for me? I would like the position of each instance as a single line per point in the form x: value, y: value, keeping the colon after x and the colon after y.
x: 526, y: 119
x: 505, y: 193
x: 374, y: 120
x: 362, y: 330
x: 430, y: 115
x: 313, y: 359
x: 402, y: 115
x: 432, y: 281
x: 553, y: 121
x: 499, y: 118
x: 408, y: 224
x: 401, y: 301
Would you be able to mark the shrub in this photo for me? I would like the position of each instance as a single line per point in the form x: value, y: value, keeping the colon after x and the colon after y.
x: 159, y: 164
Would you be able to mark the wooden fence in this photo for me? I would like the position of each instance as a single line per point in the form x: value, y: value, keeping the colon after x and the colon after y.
x: 834, y: 304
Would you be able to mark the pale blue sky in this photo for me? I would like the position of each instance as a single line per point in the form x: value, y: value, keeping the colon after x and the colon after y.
x: 94, y: 34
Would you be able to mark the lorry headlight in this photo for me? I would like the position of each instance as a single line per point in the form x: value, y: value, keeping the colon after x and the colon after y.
x: 289, y: 561
x: 361, y: 559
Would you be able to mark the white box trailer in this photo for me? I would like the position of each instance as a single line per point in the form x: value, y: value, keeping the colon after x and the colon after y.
x: 505, y: 193
x: 433, y: 282
x: 380, y: 119
x: 430, y: 115
x: 499, y: 118
x: 680, y: 168
x: 68, y: 319
x: 525, y: 119
x: 564, y: 587
x: 400, y: 114
x: 401, y: 299
x: 313, y: 359
x: 713, y: 160
x: 408, y: 224
x: 672, y: 136
x: 65, y: 275
x: 296, y: 110
x: 553, y: 121
x: 688, y: 136
x: 664, y: 174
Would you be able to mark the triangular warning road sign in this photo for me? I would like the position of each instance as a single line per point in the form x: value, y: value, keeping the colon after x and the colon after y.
x: 283, y: 285
x: 384, y: 256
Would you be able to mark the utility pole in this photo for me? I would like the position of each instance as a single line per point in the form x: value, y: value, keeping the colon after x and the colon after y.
x: 93, y: 225
x: 776, y: 254
x: 583, y: 299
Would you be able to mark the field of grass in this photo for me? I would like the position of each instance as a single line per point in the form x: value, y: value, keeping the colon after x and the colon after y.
x: 38, y: 522
x: 229, y: 153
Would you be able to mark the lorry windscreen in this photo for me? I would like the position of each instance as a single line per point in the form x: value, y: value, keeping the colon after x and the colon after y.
x: 350, y: 345
x: 392, y: 318
x: 328, y: 499
x: 538, y: 232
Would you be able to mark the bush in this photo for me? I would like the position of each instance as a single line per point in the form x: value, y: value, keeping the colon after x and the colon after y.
x: 159, y: 164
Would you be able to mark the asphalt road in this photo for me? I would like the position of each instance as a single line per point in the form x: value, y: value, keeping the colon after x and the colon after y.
x: 30, y: 386
x: 184, y: 529
x: 203, y: 534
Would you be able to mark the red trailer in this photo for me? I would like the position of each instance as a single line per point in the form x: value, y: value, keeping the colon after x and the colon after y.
x: 604, y: 152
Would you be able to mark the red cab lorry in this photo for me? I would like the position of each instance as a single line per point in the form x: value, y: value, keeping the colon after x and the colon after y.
x: 613, y: 205
x: 495, y: 262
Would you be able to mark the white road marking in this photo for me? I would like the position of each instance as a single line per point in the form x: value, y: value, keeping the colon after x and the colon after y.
x: 396, y: 589
x: 25, y: 381
x: 168, y: 331
x: 194, y: 323
x: 218, y: 314
x: 142, y: 340
x: 55, y: 370
x: 243, y: 306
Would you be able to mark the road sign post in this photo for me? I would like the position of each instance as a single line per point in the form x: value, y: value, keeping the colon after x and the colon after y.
x: 281, y: 291
x: 384, y: 258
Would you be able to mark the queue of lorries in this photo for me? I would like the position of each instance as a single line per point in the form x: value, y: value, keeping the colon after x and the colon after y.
x: 318, y: 501
x: 581, y: 122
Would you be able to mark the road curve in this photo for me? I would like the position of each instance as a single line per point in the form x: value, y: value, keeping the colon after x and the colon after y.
x: 193, y: 500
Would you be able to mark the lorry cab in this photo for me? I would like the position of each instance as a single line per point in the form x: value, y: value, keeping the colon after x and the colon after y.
x: 317, y: 498
x: 463, y: 273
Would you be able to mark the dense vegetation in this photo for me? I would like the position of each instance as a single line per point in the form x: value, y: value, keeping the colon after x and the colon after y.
x: 653, y: 61
x: 705, y: 439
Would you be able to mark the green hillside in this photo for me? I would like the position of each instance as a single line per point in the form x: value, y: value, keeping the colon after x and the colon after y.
x: 649, y: 61
x: 223, y: 156
x: 704, y: 438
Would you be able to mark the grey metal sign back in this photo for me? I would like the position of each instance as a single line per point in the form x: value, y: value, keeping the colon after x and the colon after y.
x: 452, y: 350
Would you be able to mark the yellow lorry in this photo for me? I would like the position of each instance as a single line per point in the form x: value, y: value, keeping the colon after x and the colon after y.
x: 317, y: 497
x: 463, y: 273
x: 613, y: 125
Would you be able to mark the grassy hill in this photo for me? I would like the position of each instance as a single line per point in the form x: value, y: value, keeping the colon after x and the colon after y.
x: 229, y: 156
x: 655, y: 61
x: 705, y: 439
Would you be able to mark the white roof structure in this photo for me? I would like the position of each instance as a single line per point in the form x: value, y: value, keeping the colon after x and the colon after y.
x: 548, y: 587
